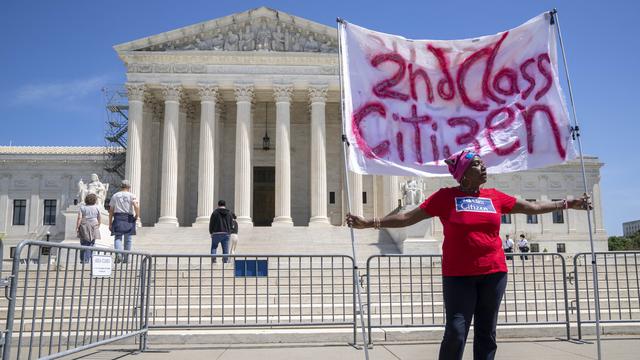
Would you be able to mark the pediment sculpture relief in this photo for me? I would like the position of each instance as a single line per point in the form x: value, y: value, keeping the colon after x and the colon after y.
x: 257, y: 35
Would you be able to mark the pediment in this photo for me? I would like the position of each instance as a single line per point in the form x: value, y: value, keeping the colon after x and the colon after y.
x: 261, y: 29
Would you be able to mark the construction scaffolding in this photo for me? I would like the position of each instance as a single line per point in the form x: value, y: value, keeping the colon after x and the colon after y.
x: 117, y: 119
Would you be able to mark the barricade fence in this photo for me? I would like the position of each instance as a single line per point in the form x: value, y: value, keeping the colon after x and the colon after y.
x: 58, y: 303
x: 251, y: 291
x: 406, y: 291
x: 618, y: 287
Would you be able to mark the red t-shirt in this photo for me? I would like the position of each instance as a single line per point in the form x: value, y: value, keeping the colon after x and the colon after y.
x: 472, y: 244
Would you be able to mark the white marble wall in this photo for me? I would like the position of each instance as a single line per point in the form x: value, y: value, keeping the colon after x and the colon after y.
x: 36, y: 178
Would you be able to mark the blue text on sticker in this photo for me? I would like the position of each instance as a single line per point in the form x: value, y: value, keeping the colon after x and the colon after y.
x: 475, y: 204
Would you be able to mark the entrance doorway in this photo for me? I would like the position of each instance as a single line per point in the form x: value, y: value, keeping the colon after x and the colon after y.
x: 264, y: 195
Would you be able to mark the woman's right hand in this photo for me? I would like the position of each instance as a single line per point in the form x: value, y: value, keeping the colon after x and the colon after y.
x: 356, y: 222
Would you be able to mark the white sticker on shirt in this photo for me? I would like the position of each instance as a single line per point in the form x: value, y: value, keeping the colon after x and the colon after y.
x: 475, y: 204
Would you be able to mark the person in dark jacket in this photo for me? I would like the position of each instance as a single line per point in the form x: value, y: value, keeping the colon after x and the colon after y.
x: 220, y: 226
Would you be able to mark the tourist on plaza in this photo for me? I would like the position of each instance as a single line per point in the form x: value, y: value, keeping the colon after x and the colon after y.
x: 123, y: 215
x: 234, y: 235
x: 474, y: 269
x: 507, y: 246
x: 523, y: 246
x: 220, y: 226
x: 88, y: 225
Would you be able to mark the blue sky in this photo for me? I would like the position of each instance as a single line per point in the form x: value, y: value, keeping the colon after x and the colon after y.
x: 57, y: 55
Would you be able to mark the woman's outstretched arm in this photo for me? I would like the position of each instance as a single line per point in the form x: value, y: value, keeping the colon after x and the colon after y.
x: 541, y: 207
x: 389, y: 221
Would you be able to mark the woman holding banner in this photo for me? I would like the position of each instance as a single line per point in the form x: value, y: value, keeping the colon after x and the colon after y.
x: 474, y: 270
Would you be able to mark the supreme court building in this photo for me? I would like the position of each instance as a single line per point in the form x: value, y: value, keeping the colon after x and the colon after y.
x: 204, y: 100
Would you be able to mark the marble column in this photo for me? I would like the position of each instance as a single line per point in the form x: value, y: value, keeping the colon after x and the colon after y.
x: 218, y: 146
x: 5, y: 180
x: 598, y: 224
x: 207, y: 154
x: 355, y: 190
x: 318, y: 99
x: 135, y: 92
x: 282, y: 96
x: 242, y: 196
x: 34, y: 216
x: 390, y: 194
x: 169, y: 189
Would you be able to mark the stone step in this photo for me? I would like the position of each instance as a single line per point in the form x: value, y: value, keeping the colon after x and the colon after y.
x: 250, y: 319
x: 317, y: 335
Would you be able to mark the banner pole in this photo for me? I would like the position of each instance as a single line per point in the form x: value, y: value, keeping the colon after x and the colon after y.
x: 345, y: 148
x: 576, y: 133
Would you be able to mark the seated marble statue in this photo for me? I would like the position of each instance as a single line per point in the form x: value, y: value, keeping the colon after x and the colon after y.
x: 95, y: 186
x: 412, y: 192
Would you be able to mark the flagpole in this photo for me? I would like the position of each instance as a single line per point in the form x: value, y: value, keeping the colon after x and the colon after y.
x: 345, y: 148
x: 576, y: 132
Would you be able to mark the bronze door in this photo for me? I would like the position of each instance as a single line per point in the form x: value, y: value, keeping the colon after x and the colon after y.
x: 264, y: 195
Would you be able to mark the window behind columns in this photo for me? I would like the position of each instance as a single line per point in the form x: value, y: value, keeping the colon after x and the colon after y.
x: 19, y: 211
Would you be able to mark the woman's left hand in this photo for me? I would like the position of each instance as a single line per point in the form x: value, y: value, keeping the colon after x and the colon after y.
x: 582, y: 203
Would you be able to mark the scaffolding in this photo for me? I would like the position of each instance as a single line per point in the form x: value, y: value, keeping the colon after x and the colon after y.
x: 117, y: 119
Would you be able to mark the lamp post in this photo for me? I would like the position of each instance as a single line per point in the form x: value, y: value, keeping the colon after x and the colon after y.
x: 46, y: 250
x: 266, y: 141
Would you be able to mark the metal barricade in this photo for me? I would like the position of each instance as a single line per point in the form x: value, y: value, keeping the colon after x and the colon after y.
x: 537, y: 292
x: 406, y: 291
x: 618, y: 285
x: 191, y: 291
x: 58, y: 305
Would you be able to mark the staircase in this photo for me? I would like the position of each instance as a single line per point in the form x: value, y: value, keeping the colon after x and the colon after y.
x: 329, y: 240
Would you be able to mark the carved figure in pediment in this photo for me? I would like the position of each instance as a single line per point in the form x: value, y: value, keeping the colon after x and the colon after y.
x: 297, y: 43
x: 247, y: 41
x: 326, y: 47
x: 217, y: 42
x: 311, y: 45
x: 263, y: 38
x: 231, y: 42
x: 278, y: 42
x: 191, y: 44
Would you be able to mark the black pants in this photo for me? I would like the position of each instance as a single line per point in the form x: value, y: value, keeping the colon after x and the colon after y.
x: 467, y: 297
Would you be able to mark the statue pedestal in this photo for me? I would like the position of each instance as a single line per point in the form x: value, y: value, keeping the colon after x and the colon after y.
x: 417, y: 238
x: 70, y: 220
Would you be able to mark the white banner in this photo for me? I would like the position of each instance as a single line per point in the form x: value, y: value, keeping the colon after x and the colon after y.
x: 409, y: 104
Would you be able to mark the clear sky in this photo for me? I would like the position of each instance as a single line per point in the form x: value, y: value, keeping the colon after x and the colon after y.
x: 57, y: 55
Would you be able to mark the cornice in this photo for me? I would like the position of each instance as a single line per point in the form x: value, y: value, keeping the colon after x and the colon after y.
x: 226, y: 58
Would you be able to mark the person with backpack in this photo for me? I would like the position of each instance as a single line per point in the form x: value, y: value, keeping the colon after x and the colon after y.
x: 220, y: 227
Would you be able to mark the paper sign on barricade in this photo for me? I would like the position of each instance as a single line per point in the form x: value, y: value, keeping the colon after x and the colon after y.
x: 409, y: 104
x: 101, y: 265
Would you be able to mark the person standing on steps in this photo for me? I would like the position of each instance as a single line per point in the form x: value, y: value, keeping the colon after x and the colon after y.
x: 123, y: 215
x: 220, y: 226
x: 523, y: 246
x: 508, y: 247
x: 88, y: 226
x: 474, y: 268
x: 234, y: 235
